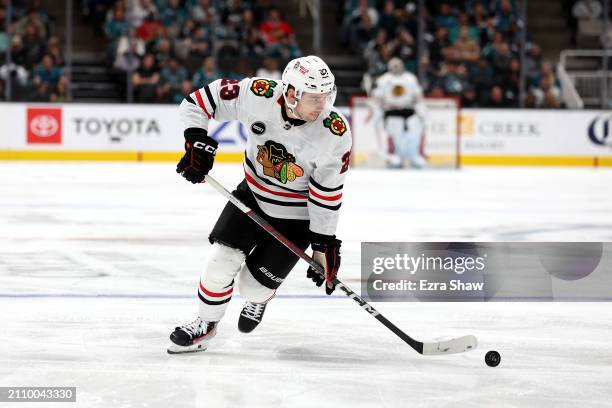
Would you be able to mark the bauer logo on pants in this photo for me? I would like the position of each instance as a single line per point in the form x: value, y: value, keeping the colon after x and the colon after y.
x: 44, y: 126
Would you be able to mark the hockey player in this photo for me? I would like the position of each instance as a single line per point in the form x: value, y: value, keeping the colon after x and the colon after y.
x: 402, y: 100
x: 297, y: 155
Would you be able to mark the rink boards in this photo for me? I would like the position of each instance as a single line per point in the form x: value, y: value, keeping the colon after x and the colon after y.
x: 108, y: 132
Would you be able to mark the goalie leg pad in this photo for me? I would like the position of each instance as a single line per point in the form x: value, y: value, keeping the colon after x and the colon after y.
x: 216, y: 284
x: 414, y: 135
x: 395, y: 126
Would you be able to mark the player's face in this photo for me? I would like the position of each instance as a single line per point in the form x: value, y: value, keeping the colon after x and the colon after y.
x: 311, y: 105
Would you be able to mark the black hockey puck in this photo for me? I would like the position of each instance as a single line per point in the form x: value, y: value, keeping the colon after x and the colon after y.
x: 492, y: 358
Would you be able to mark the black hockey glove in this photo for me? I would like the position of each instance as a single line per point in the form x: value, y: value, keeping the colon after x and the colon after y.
x: 325, y: 252
x: 199, y: 155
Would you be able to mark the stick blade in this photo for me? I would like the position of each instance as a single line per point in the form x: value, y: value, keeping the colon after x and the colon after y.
x: 452, y: 346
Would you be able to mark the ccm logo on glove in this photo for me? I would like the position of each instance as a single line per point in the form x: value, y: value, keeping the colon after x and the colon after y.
x: 200, y: 150
x: 207, y: 148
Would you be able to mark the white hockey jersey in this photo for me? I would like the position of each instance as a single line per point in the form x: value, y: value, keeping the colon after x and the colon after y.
x: 398, y: 91
x: 294, y: 171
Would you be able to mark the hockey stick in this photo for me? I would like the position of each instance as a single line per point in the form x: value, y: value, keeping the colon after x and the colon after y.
x: 456, y: 345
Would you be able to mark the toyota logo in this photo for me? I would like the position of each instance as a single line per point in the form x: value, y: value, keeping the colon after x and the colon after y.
x: 44, y: 126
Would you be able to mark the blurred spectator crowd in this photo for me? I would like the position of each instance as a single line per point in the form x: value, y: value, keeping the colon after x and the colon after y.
x: 174, y: 46
x: 170, y: 47
x: 472, y: 49
x: 36, y: 69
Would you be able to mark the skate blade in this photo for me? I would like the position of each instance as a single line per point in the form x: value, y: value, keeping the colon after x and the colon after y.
x: 175, y: 349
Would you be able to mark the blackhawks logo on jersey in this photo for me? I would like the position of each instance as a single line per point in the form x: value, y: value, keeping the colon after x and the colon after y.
x: 398, y: 90
x: 263, y: 87
x: 277, y: 162
x: 335, y: 124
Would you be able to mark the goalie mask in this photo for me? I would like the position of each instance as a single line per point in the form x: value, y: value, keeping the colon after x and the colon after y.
x: 312, y: 80
x: 395, y: 66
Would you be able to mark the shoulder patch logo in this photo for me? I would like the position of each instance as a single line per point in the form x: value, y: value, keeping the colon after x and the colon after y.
x: 335, y: 124
x: 277, y: 162
x: 263, y: 87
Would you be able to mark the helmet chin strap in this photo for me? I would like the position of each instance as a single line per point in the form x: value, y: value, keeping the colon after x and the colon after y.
x: 291, y: 107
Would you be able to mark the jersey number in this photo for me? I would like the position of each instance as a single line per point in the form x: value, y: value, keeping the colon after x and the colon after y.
x: 346, y: 159
x: 229, y: 89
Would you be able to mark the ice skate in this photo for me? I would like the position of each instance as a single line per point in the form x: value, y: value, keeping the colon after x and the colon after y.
x: 192, y: 337
x: 251, y: 316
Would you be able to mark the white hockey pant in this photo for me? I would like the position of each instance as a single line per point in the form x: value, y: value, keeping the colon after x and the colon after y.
x: 217, y: 282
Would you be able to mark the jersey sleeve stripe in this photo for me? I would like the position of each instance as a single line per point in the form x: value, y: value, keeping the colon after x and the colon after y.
x: 328, y: 207
x: 322, y: 197
x: 210, y: 99
x: 201, y: 102
x: 328, y: 189
x: 255, y: 184
x: 190, y: 99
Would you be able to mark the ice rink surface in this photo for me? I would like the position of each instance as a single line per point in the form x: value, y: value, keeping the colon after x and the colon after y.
x: 99, y: 262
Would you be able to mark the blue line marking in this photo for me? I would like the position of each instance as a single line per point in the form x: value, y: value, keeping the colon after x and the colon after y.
x: 134, y: 296
x: 169, y: 296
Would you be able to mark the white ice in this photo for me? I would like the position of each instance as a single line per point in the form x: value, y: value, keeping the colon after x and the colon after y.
x: 99, y: 262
